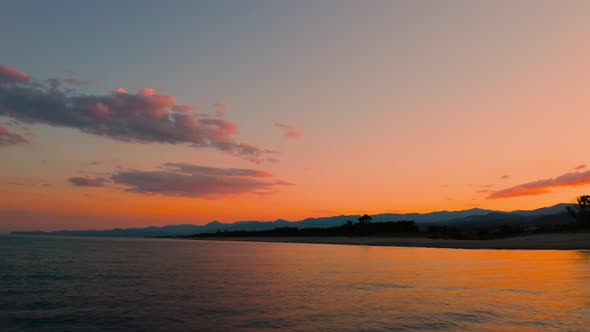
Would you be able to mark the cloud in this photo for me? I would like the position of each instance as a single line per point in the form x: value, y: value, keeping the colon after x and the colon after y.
x: 55, y: 83
x: 505, y: 177
x: 184, y: 108
x: 212, y: 171
x: 542, y: 186
x: 580, y: 167
x: 8, y: 137
x: 178, y: 179
x: 12, y: 75
x: 289, y: 130
x: 145, y: 117
x: 87, y: 182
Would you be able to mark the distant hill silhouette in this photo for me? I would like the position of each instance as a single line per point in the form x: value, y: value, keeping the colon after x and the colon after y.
x: 464, y: 218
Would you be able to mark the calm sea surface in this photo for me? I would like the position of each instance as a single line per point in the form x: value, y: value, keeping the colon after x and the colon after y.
x: 92, y: 284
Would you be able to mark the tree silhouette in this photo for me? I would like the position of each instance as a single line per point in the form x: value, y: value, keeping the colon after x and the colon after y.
x: 582, y: 211
x: 365, y: 219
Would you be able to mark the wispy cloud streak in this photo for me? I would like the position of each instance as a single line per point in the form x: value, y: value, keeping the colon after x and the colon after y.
x: 87, y: 182
x: 187, y: 180
x: 539, y: 187
x: 8, y: 137
x: 289, y: 130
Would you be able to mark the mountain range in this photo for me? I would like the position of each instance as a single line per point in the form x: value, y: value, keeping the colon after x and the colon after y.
x: 465, y: 218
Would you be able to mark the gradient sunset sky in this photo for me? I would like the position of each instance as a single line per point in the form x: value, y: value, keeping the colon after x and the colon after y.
x: 137, y: 113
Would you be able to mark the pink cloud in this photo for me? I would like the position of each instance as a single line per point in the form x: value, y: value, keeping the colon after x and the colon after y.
x: 87, y: 182
x: 99, y: 111
x: 12, y: 75
x: 579, y: 167
x: 147, y: 116
x: 543, y: 186
x: 8, y: 137
x: 289, y: 130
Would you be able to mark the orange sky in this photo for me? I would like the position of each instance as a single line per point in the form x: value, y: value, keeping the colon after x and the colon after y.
x: 336, y: 110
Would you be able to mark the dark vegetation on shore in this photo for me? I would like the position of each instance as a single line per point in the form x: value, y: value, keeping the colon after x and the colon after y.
x: 365, y: 228
x: 493, y: 229
x: 580, y: 214
x: 402, y: 229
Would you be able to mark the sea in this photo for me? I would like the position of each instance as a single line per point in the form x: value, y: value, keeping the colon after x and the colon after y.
x: 112, y: 284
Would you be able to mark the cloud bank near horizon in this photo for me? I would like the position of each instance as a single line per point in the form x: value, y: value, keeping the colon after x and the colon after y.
x: 540, y: 187
x: 147, y: 116
x: 187, y: 180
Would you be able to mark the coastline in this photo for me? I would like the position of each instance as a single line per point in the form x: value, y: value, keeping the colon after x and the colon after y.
x: 551, y: 241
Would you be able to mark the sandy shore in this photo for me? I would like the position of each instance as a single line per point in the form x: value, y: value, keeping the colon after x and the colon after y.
x: 571, y: 241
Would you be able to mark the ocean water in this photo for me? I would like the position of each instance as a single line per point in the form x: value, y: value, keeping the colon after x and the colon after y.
x: 94, y: 284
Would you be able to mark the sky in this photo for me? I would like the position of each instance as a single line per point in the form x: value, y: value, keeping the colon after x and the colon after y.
x: 138, y: 113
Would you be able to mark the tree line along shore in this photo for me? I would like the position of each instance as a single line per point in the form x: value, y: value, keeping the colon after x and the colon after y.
x: 571, y: 226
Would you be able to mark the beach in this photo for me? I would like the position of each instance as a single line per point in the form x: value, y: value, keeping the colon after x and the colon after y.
x: 552, y: 241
